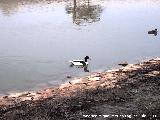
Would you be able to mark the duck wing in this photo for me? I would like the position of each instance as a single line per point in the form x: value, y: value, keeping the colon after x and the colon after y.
x: 79, y: 62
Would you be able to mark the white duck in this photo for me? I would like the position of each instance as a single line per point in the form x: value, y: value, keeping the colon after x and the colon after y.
x: 80, y: 62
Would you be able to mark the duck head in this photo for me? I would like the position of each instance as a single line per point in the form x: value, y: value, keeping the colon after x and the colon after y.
x: 86, y: 58
x: 155, y: 32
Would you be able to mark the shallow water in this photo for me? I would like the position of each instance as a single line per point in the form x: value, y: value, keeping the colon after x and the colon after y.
x: 38, y: 38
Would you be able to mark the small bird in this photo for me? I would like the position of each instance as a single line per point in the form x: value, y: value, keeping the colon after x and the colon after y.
x: 80, y: 62
x: 153, y: 32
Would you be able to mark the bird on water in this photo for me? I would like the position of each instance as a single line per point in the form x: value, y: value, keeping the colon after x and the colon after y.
x: 80, y: 62
x: 155, y: 31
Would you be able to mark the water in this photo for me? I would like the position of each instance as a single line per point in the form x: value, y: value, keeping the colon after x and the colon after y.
x: 38, y: 38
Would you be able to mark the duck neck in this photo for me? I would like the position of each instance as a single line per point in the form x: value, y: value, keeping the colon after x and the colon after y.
x: 85, y: 59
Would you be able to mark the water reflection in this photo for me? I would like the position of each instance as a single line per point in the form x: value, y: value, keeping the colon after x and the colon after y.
x: 44, y: 35
x: 9, y: 6
x: 84, y: 12
x: 84, y: 67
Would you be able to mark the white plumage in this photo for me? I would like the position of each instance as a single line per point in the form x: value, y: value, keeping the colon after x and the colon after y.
x: 80, y: 62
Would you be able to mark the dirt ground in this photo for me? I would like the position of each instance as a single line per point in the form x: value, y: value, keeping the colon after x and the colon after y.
x: 131, y: 92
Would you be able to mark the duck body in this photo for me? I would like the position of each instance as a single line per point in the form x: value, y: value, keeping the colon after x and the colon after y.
x: 80, y: 62
x: 153, y: 32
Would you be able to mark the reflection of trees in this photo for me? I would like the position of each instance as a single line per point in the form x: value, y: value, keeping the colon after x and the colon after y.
x: 82, y: 10
x: 84, y: 13
x: 9, y: 6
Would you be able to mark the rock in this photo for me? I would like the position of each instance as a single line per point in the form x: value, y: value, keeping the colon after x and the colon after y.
x: 69, y: 76
x: 76, y: 81
x: 95, y: 78
x: 38, y: 92
x: 123, y: 63
x: 32, y: 98
x: 155, y: 72
x: 5, y: 97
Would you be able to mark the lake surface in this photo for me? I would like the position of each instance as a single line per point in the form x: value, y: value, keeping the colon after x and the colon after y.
x: 38, y: 38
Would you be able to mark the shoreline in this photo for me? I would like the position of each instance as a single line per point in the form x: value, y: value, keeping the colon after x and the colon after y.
x: 100, y: 89
x: 116, y: 66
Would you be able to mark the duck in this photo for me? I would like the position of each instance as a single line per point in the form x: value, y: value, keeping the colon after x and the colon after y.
x: 153, y: 32
x: 80, y: 62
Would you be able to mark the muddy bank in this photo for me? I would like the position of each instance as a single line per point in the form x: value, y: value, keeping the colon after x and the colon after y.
x: 131, y: 92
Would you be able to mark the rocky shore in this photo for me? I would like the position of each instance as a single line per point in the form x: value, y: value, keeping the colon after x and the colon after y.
x: 131, y: 92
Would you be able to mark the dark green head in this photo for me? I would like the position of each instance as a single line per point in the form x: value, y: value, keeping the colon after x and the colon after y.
x: 86, y: 58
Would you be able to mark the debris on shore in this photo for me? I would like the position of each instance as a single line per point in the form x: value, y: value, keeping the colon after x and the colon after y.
x: 133, y: 91
x: 123, y: 63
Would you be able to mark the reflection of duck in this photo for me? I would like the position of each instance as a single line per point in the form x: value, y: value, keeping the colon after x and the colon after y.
x: 153, y: 32
x: 86, y: 68
x: 80, y: 62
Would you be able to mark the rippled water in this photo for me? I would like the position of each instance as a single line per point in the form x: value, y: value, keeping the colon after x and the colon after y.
x: 39, y: 37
